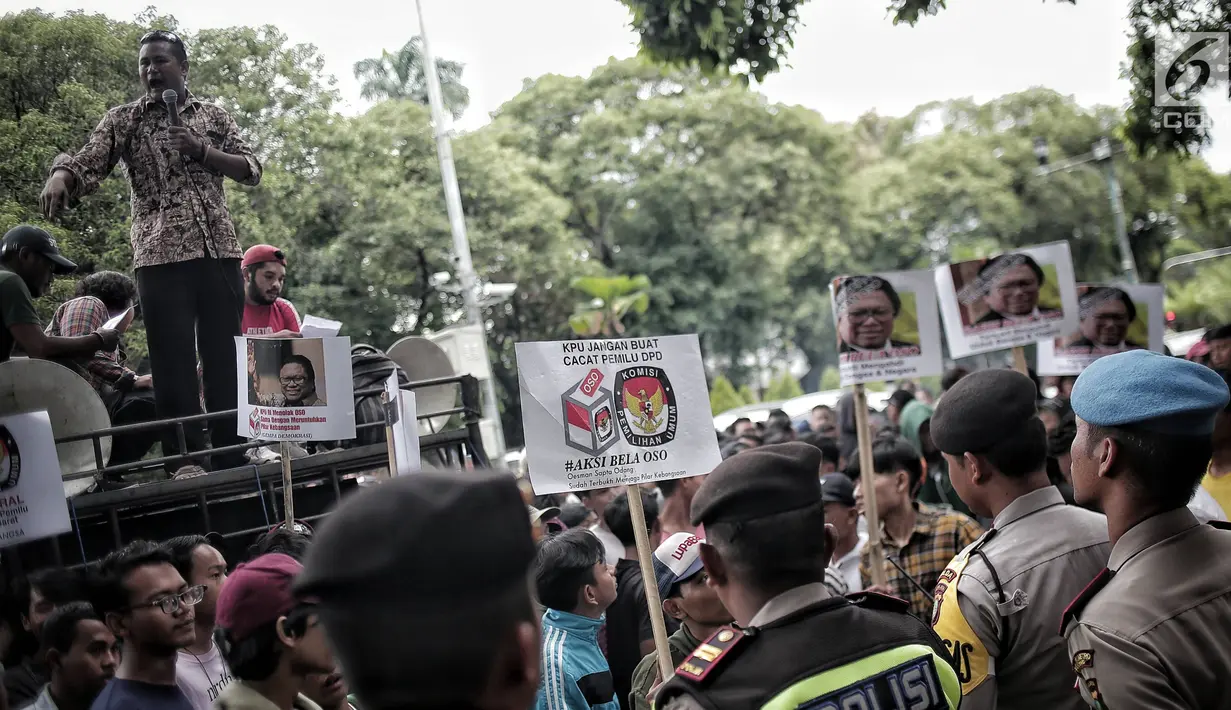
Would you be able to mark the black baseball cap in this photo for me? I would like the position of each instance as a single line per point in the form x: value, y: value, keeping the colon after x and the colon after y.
x: 838, y: 488
x: 25, y: 236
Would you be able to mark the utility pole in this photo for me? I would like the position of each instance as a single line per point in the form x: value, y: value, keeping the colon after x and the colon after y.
x: 1101, y: 155
x: 457, y: 223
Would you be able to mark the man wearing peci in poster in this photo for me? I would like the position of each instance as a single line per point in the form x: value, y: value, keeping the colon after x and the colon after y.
x: 1011, y: 285
x: 867, y: 307
x: 1106, y: 314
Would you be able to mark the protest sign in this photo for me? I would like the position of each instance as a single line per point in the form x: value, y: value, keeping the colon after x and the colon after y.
x: 401, y: 420
x: 295, y: 389
x: 1112, y: 318
x: 888, y: 326
x: 1010, y: 300
x: 599, y: 413
x: 31, y: 490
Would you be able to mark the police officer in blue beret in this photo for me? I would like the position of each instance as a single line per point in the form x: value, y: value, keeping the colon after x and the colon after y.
x: 1153, y: 630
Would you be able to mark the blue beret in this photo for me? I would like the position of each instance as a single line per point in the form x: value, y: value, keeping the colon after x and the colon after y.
x: 1159, y: 393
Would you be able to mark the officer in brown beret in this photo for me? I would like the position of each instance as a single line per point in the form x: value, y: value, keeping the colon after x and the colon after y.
x: 996, y: 602
x: 794, y: 643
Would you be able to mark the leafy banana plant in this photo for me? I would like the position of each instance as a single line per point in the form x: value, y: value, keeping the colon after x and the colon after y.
x: 610, y: 298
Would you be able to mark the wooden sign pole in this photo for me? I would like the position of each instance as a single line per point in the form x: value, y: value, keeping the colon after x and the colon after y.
x: 637, y: 510
x: 1019, y: 360
x: 867, y: 483
x: 288, y: 496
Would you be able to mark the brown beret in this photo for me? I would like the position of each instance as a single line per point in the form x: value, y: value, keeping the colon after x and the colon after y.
x: 983, y: 409
x: 758, y: 483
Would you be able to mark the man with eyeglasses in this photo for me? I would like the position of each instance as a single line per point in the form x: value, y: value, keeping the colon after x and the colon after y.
x: 185, y: 252
x: 867, y: 307
x: 149, y: 607
x: 29, y: 258
x: 298, y: 379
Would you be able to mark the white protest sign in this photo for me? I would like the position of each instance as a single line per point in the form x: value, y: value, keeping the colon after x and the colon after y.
x: 295, y: 389
x: 405, y: 428
x: 1012, y: 299
x: 1112, y: 318
x: 31, y: 488
x: 121, y: 321
x: 888, y: 326
x: 599, y: 413
x: 316, y: 327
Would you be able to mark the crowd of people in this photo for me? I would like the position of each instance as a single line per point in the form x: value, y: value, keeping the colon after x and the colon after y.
x: 1042, y: 545
x: 486, y: 597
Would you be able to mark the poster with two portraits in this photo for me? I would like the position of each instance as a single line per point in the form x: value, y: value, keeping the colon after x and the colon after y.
x: 295, y: 389
x: 888, y: 326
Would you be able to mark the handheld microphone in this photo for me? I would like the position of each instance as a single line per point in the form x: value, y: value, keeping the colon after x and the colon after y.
x: 171, y: 99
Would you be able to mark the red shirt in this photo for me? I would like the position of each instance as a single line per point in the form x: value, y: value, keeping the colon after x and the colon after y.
x: 266, y: 320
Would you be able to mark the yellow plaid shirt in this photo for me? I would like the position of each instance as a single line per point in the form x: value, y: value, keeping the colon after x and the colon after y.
x: 938, y: 536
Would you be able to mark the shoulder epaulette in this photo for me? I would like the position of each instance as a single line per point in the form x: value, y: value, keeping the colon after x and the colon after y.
x: 1079, y: 602
x: 709, y: 654
x: 880, y: 602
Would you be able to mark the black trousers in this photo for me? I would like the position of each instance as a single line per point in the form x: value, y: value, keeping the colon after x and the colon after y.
x: 193, y: 307
x: 133, y: 407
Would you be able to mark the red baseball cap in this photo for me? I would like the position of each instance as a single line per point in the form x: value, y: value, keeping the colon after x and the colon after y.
x: 257, y: 593
x: 262, y: 253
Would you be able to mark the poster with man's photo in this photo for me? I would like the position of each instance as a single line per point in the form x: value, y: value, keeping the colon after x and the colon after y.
x: 1112, y: 318
x: 1012, y: 299
x: 295, y: 389
x: 888, y: 326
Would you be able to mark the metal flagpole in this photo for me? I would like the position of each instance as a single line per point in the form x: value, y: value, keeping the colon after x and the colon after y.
x: 457, y: 222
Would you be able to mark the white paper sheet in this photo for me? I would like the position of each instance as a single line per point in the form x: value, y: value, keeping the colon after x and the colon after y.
x: 316, y: 327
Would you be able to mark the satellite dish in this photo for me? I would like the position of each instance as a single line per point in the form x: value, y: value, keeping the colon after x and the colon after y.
x: 28, y: 385
x: 422, y: 359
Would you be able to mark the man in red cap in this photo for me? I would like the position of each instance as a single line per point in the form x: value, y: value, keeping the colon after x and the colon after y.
x: 274, y: 641
x: 265, y: 312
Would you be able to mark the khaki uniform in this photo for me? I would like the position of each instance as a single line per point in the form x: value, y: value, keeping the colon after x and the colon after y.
x: 1153, y: 630
x: 997, y: 602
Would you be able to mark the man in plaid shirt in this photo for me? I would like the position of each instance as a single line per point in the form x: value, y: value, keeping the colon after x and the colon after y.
x: 129, y: 397
x: 919, y: 538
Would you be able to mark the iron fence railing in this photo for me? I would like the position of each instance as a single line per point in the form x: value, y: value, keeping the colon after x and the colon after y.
x: 235, y: 503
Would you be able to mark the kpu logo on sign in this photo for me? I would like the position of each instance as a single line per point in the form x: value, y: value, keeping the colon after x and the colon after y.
x: 588, y: 418
x: 647, y: 412
x: 254, y: 421
x: 10, y: 460
x: 1185, y: 65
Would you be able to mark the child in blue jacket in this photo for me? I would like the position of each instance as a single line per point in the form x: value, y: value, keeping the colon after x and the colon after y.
x: 576, y: 585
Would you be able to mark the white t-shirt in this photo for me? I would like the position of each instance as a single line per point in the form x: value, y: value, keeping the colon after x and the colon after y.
x: 611, y: 543
x: 848, y: 567
x: 201, y: 677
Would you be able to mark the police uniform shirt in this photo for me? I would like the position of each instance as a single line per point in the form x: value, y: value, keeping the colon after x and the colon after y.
x: 1010, y: 586
x: 1153, y: 631
x: 911, y: 670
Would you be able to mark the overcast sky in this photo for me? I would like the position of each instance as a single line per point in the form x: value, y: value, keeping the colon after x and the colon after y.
x: 848, y: 58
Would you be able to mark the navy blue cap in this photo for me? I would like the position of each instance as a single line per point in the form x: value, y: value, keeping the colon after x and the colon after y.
x: 25, y: 236
x: 1168, y: 395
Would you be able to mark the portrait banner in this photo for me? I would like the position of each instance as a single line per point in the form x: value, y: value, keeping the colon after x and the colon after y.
x: 1013, y: 299
x: 31, y: 486
x: 1112, y: 318
x: 888, y: 326
x: 295, y: 389
x: 600, y: 413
